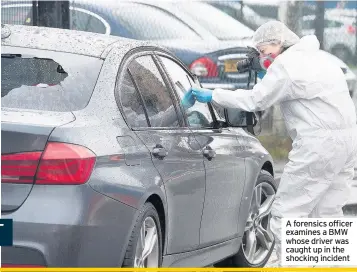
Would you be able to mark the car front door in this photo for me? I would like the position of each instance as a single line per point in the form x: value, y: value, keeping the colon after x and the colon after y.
x: 225, y: 170
x: 175, y: 152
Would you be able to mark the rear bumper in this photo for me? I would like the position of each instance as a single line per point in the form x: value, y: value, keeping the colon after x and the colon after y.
x: 69, y: 226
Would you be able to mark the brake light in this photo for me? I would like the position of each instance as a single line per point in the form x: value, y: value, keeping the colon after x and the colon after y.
x: 19, y: 168
x: 61, y: 163
x: 351, y: 29
x: 204, y: 67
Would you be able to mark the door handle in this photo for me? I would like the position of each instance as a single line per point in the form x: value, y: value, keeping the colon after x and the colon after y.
x: 209, y: 153
x: 159, y: 152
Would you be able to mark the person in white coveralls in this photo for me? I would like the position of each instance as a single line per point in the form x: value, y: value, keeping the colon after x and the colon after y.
x: 320, y: 118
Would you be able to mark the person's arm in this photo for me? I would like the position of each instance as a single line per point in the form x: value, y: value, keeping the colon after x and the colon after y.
x: 275, y: 87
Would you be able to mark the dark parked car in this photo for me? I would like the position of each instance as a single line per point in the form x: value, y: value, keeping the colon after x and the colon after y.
x: 210, y: 58
x: 241, y: 12
x: 103, y: 167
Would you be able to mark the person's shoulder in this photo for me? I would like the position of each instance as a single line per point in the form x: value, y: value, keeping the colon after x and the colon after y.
x: 291, y: 60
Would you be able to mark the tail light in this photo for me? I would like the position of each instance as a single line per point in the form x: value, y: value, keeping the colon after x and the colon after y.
x: 351, y: 29
x: 60, y: 163
x: 204, y: 67
x: 19, y: 168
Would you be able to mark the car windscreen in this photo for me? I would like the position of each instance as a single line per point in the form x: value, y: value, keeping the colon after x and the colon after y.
x: 150, y: 23
x: 45, y: 80
x: 221, y: 25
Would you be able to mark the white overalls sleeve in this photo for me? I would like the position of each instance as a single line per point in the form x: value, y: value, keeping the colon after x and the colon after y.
x: 275, y: 87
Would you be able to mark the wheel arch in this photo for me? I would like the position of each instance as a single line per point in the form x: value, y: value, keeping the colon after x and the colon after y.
x: 268, y: 166
x: 156, y: 200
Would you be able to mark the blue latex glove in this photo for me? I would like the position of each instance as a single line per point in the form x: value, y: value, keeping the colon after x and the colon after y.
x: 188, y: 100
x: 202, y: 95
x: 261, y: 74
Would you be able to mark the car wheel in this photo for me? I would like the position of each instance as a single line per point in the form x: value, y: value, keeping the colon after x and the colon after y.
x: 258, y: 240
x: 342, y: 53
x: 145, y: 244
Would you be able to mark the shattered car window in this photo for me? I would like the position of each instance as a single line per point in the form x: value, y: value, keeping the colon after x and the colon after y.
x: 44, y: 80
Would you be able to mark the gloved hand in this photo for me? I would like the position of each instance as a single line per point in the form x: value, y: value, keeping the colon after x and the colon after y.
x: 261, y: 74
x: 202, y: 95
x: 188, y: 100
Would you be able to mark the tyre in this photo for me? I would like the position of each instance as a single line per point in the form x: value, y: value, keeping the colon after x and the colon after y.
x: 145, y: 244
x: 258, y: 241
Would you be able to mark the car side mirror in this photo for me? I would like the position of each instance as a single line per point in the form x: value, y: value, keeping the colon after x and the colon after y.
x: 242, y: 119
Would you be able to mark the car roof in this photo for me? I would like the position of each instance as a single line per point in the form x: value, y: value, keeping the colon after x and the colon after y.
x: 110, y: 5
x: 64, y: 40
x: 167, y: 6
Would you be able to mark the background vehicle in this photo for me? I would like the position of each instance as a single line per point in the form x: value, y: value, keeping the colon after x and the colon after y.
x: 339, y: 28
x: 243, y: 13
x: 102, y: 167
x: 208, y: 47
x: 339, y: 35
x: 211, y: 59
x: 342, y: 48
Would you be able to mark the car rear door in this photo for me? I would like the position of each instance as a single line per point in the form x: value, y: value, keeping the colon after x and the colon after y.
x: 175, y: 152
x: 225, y: 169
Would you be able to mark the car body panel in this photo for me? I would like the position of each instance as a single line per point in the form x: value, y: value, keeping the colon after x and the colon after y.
x: 225, y: 173
x: 183, y: 174
x: 20, y: 38
x: 90, y: 225
x: 204, y: 257
x: 69, y: 228
x: 25, y: 131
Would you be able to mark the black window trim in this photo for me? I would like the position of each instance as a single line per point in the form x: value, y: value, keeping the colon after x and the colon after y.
x: 183, y: 66
x: 124, y: 66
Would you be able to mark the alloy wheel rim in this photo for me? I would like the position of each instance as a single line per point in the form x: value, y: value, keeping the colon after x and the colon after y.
x: 147, y: 249
x: 258, y: 238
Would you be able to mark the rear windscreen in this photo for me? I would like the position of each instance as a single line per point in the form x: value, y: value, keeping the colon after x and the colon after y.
x: 45, y: 80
